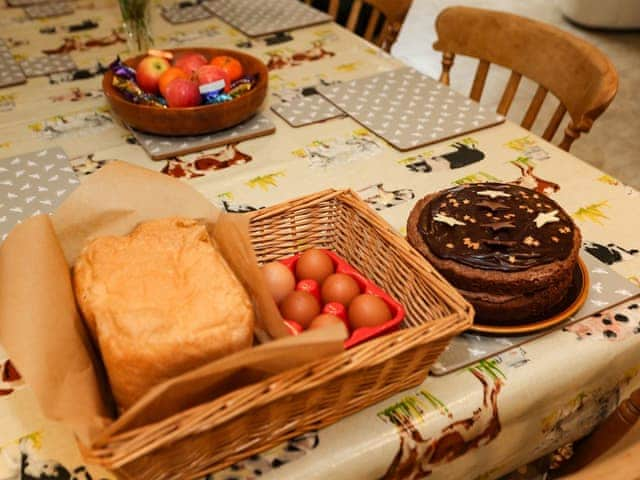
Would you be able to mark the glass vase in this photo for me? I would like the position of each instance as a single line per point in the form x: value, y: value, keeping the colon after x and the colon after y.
x: 136, y: 21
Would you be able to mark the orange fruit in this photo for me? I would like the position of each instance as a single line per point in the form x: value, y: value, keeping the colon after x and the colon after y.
x: 231, y: 65
x: 171, y: 74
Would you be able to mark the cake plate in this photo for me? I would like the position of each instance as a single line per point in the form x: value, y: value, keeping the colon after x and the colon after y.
x: 576, y: 296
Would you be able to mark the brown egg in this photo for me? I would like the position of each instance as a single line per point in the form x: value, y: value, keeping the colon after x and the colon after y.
x: 323, y: 320
x: 368, y: 311
x: 341, y: 288
x: 301, y: 307
x: 314, y: 264
x: 279, y: 279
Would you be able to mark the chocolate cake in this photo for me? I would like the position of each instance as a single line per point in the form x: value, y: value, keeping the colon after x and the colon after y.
x: 509, y: 250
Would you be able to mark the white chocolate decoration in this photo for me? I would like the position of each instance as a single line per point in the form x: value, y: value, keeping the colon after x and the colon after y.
x: 452, y: 222
x: 493, y: 193
x: 546, y: 217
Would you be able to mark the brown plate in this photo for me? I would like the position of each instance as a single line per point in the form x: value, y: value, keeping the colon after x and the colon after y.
x: 192, y: 120
x: 576, y: 296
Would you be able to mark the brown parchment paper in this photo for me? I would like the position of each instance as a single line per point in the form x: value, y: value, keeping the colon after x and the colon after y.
x: 42, y: 331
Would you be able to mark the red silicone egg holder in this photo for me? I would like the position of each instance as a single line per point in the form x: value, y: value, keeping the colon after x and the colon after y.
x: 361, y: 334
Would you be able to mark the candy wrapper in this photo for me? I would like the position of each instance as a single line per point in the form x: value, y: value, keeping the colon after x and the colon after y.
x: 122, y: 70
x: 242, y: 85
x: 124, y: 80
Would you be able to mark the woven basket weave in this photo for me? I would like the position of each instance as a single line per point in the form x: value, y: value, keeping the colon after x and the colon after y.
x: 252, y: 419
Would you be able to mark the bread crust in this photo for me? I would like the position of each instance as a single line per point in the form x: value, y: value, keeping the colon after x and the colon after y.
x: 159, y: 302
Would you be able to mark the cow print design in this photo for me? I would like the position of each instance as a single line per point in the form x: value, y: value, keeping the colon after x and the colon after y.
x: 258, y: 465
x: 87, y: 165
x: 381, y: 199
x: 609, y: 254
x: 616, y: 324
x: 81, y: 74
x: 461, y: 156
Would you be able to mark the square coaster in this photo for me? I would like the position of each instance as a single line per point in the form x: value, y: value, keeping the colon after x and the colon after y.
x: 160, y: 147
x: 177, y: 14
x: 44, y: 10
x: 39, y: 66
x: 606, y: 289
x: 32, y: 184
x: 266, y: 16
x: 10, y: 71
x: 409, y: 109
x: 306, y: 110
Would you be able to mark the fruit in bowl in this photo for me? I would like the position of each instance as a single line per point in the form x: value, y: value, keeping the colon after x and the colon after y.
x: 232, y: 85
x: 149, y: 71
x: 170, y: 74
x: 210, y: 74
x: 182, y: 92
x: 191, y: 62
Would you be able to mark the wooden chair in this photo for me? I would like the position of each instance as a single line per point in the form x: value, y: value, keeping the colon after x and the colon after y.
x: 603, y: 438
x: 390, y: 13
x: 580, y: 76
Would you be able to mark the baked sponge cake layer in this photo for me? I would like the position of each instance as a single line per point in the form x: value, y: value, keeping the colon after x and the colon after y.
x: 510, y: 251
x: 159, y: 302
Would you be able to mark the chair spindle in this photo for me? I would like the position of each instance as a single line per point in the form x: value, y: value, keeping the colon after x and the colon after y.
x: 353, y: 16
x: 479, y: 80
x: 333, y: 8
x: 371, y: 26
x: 554, y: 123
x: 534, y: 107
x: 509, y: 93
x: 447, y: 62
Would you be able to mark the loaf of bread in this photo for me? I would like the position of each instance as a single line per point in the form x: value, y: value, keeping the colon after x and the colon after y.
x: 159, y: 302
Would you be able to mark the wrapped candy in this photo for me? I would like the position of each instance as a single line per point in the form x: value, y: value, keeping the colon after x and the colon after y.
x: 134, y: 93
x: 209, y: 99
x: 121, y: 69
x: 242, y: 85
x: 124, y: 80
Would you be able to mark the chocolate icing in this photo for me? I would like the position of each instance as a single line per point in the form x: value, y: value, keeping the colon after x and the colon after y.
x: 495, y: 226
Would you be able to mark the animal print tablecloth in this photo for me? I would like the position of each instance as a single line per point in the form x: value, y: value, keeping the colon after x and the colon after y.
x: 481, y: 422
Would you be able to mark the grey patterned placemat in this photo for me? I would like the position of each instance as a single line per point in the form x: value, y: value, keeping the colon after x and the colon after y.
x: 302, y: 111
x: 192, y: 13
x: 39, y: 66
x: 10, y: 71
x: 160, y: 147
x: 409, y: 109
x: 44, y: 10
x: 606, y: 289
x: 255, y: 18
x: 32, y: 184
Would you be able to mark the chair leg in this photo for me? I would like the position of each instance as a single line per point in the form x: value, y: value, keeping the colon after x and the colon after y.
x: 605, y: 436
x: 447, y: 63
x: 571, y: 133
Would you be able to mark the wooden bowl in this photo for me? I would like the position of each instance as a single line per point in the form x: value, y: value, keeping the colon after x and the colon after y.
x: 192, y: 120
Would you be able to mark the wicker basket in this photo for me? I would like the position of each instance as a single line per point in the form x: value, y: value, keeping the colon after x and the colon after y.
x: 252, y: 419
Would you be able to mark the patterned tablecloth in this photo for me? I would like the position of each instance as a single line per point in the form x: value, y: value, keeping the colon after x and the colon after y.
x: 479, y: 422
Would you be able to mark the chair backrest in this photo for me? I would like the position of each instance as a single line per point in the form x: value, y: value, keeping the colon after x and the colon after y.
x: 582, y: 78
x: 390, y: 13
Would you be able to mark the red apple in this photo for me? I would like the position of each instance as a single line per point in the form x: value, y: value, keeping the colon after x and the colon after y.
x: 211, y: 73
x: 149, y: 71
x: 181, y: 93
x: 190, y: 62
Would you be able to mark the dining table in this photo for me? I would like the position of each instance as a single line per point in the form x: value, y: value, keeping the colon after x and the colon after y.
x: 478, y: 422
